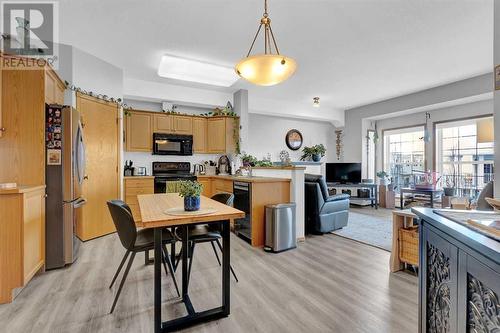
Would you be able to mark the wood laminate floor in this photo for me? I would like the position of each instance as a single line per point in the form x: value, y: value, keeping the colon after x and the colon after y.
x: 327, y: 284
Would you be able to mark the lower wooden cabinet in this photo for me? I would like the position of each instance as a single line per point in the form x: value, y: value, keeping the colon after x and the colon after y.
x: 22, y: 237
x: 133, y: 187
x: 222, y: 185
x: 207, y: 186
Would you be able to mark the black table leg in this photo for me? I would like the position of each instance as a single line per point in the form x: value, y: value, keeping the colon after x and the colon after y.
x: 401, y: 200
x: 226, y: 267
x: 157, y: 283
x: 432, y: 200
x: 193, y: 317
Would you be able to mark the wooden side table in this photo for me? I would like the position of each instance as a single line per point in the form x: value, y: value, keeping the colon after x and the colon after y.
x: 400, y: 219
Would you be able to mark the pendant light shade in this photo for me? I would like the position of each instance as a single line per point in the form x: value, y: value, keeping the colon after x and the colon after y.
x: 269, y: 68
x: 266, y: 69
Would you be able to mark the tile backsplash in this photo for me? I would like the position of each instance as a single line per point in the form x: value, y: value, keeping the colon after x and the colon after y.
x: 146, y: 159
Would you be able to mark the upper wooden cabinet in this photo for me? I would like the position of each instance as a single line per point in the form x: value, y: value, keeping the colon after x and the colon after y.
x: 199, y: 135
x: 54, y: 88
x: 183, y: 125
x: 213, y: 135
x: 162, y: 123
x: 222, y: 135
x: 138, y: 131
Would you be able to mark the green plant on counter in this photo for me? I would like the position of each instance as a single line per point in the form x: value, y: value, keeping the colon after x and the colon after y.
x: 382, y: 175
x: 248, y: 160
x: 263, y: 163
x: 190, y: 188
x: 312, y: 152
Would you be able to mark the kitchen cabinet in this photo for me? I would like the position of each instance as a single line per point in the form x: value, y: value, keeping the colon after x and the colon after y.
x: 133, y: 187
x: 1, y: 71
x: 22, y: 237
x: 54, y: 88
x: 102, y: 179
x: 22, y: 145
x: 222, y: 185
x: 207, y: 186
x: 222, y: 134
x: 211, y: 135
x: 138, y: 131
x: 182, y: 124
x: 162, y: 123
x: 199, y: 134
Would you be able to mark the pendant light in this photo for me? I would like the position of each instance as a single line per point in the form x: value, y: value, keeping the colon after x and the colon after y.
x: 269, y: 68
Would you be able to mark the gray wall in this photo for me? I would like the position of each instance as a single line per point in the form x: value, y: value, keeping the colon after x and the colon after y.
x: 496, y: 60
x: 356, y: 123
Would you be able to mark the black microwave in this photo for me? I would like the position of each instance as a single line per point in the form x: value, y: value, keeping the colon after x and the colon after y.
x: 172, y: 144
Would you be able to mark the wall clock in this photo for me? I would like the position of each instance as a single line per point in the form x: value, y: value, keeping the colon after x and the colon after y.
x: 294, y: 139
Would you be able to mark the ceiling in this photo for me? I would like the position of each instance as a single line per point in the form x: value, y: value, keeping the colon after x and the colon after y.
x: 349, y: 52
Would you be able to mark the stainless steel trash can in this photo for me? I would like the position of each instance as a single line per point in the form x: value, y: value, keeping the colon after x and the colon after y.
x: 280, y: 227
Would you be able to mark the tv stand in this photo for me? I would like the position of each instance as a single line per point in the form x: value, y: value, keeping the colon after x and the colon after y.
x: 373, y: 197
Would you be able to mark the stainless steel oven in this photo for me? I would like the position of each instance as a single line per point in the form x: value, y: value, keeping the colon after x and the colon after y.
x: 172, y: 144
x: 242, y: 200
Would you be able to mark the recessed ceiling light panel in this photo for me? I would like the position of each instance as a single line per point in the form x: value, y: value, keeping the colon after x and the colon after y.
x: 178, y: 68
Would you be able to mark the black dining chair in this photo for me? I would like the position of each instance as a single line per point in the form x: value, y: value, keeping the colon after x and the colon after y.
x: 135, y: 241
x: 206, y: 233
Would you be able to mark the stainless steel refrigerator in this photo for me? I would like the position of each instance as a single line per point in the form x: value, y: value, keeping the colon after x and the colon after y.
x: 65, y: 169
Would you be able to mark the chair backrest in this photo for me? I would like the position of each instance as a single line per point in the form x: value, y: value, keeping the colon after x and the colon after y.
x: 225, y: 198
x: 124, y: 222
x: 487, y: 192
x: 308, y: 178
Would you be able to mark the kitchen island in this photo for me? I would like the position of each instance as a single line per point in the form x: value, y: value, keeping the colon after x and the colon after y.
x: 459, y: 281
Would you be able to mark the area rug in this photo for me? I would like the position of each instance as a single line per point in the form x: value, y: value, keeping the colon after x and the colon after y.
x: 365, y: 227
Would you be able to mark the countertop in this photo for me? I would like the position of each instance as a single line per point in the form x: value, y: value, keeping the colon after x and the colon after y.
x: 22, y: 189
x: 138, y: 177
x: 282, y: 167
x: 255, y: 179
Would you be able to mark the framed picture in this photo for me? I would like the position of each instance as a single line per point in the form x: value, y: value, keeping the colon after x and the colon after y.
x: 53, y: 157
x: 293, y: 139
x: 497, y: 77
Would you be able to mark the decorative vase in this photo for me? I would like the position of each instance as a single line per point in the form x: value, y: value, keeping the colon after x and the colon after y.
x: 191, y: 204
x: 316, y: 157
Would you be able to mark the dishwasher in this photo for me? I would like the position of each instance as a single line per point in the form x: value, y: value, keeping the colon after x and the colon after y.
x: 242, y: 200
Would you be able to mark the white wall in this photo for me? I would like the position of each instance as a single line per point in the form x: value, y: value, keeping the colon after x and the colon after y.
x: 266, y: 134
x: 480, y: 108
x: 93, y: 74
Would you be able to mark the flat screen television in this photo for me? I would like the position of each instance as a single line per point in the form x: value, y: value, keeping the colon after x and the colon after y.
x: 343, y: 173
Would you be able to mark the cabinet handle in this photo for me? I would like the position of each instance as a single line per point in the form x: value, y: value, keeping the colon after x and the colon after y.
x: 2, y: 129
x: 86, y: 177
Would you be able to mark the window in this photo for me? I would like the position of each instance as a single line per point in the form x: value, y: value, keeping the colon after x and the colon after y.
x: 462, y: 159
x: 404, y: 154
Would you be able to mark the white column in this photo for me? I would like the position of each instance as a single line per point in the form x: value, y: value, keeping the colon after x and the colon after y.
x: 240, y: 99
x: 496, y: 112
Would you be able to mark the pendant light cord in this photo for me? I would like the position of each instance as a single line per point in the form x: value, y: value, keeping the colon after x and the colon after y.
x: 268, y: 35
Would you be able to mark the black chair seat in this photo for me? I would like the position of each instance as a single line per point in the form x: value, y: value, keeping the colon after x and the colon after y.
x: 198, y: 233
x: 145, y: 240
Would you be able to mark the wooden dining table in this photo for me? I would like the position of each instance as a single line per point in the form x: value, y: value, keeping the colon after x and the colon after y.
x: 153, y: 209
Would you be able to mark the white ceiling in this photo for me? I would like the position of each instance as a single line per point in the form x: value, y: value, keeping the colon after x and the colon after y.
x: 349, y: 52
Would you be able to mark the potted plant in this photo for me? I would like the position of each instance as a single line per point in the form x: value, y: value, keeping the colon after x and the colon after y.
x: 314, y: 153
x: 383, y: 177
x: 248, y: 160
x: 190, y: 191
